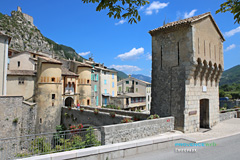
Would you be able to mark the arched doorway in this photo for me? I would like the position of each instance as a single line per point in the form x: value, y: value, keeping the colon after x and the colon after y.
x: 204, y: 113
x: 69, y: 101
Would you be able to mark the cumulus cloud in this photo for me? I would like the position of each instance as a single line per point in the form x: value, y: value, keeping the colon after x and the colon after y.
x: 133, y: 54
x: 126, y: 68
x: 230, y: 47
x: 149, y: 56
x: 155, y: 6
x: 84, y: 53
x: 190, y: 14
x: 232, y: 32
x: 121, y: 22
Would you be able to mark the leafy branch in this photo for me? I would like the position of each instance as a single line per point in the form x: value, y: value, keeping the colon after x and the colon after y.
x: 119, y: 9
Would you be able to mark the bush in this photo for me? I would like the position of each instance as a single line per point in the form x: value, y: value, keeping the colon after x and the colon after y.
x: 91, y: 139
x: 112, y: 114
x: 126, y: 120
x: 39, y: 145
x: 155, y: 116
x: 96, y: 111
x: 15, y: 120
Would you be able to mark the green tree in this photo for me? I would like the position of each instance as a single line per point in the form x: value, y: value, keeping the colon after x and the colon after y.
x: 120, y: 8
x: 232, y: 6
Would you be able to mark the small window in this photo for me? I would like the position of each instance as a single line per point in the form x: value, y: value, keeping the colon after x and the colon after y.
x: 105, y: 81
x: 127, y: 82
x: 136, y: 83
x: 40, y: 120
x: 136, y: 89
x: 113, y: 93
x: 88, y: 81
x: 53, y: 79
x: 34, y: 56
x: 112, y: 84
x: 88, y: 102
x: 113, y: 76
x: 18, y: 63
x: 104, y: 73
x: 105, y: 91
x: 20, y: 81
x: 52, y: 104
x: 53, y: 96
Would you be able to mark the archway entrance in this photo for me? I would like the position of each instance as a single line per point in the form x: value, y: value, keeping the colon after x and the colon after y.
x: 69, y: 101
x: 204, y: 113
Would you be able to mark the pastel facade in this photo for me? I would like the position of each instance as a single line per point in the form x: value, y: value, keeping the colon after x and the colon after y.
x: 135, y: 94
x: 4, y: 41
x: 187, y: 63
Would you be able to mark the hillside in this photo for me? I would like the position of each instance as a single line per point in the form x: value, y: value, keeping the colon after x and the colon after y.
x: 142, y: 77
x: 27, y: 37
x: 231, y: 76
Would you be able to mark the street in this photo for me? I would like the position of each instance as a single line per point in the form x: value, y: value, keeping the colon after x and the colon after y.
x: 226, y: 148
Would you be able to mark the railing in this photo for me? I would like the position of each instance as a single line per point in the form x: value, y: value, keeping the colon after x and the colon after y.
x: 45, y: 143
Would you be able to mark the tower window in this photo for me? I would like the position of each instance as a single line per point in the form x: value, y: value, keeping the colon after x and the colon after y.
x: 40, y: 120
x: 53, y: 96
x: 53, y: 79
x: 18, y: 63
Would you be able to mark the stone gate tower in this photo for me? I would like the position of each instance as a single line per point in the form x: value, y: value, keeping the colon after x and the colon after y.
x: 187, y: 63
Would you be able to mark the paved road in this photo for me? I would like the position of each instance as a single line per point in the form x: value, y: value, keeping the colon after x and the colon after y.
x: 225, y: 149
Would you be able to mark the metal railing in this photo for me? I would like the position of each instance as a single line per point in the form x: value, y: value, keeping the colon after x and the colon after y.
x: 45, y: 143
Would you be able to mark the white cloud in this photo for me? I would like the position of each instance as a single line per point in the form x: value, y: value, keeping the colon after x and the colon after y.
x: 190, y: 14
x: 121, y: 22
x: 149, y: 56
x: 126, y: 68
x: 133, y: 54
x: 155, y: 6
x: 230, y: 47
x: 141, y: 8
x: 232, y: 32
x: 84, y: 53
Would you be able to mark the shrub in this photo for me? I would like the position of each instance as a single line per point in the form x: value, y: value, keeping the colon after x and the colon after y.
x: 96, y: 111
x: 91, y: 139
x: 81, y: 109
x: 39, y: 145
x: 112, y: 114
x: 126, y: 120
x: 155, y: 116
x: 15, y: 120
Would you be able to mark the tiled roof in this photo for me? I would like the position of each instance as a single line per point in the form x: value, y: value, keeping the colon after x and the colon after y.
x: 22, y: 72
x: 187, y: 21
x: 66, y: 72
x: 79, y: 64
x: 50, y: 60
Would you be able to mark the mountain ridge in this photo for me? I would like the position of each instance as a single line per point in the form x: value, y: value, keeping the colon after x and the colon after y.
x: 27, y: 37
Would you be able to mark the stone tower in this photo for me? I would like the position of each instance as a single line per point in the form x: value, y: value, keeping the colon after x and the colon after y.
x: 48, y: 94
x: 187, y: 63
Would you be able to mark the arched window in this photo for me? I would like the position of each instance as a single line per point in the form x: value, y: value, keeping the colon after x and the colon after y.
x: 88, y: 102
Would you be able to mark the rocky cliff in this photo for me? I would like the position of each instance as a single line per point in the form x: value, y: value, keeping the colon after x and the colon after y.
x: 27, y: 37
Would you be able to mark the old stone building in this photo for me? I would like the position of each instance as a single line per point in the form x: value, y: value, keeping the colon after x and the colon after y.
x: 4, y: 42
x: 187, y: 63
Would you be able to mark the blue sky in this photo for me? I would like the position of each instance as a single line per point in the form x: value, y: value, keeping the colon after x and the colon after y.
x: 115, y: 42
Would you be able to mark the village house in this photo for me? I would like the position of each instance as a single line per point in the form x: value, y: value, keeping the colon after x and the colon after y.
x: 134, y: 94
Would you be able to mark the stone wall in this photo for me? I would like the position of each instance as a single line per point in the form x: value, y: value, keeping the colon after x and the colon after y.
x: 141, y: 116
x: 17, y: 117
x: 135, y: 130
x: 87, y: 117
x: 227, y: 115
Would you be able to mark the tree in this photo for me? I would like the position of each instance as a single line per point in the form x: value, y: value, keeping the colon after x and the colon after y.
x: 120, y: 8
x: 233, y: 6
